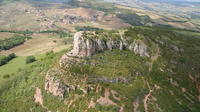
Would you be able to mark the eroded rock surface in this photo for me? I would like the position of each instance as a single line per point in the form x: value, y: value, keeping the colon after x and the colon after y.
x: 88, y: 47
x: 82, y: 47
x: 55, y: 86
x: 106, y: 101
x: 138, y: 47
x: 92, y: 104
x: 38, y: 96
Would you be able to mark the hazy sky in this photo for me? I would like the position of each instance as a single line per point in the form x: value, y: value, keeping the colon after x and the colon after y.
x: 174, y: 0
x: 180, y: 0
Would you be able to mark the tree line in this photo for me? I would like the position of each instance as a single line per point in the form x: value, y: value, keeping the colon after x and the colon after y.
x: 5, y: 59
x: 60, y: 33
x: 25, y: 32
x: 12, y: 42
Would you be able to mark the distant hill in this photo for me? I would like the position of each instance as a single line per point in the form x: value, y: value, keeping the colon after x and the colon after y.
x: 173, y: 1
x: 60, y: 1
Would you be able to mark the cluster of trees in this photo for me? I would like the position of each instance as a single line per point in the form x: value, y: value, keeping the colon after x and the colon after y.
x: 30, y: 59
x: 5, y: 59
x: 108, y: 8
x: 87, y: 28
x: 134, y: 19
x: 60, y: 33
x: 12, y: 42
x: 25, y: 33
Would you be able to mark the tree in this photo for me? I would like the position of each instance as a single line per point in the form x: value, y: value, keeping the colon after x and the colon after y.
x: 30, y: 59
x: 11, y: 56
x: 5, y: 59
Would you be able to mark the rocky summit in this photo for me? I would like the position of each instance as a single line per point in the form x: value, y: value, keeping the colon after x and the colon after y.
x: 99, y: 56
x: 88, y: 47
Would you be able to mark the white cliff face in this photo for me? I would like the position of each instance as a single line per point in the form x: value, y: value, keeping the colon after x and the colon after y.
x: 79, y: 45
x: 138, y: 47
x: 109, y: 44
x: 101, y: 45
x: 88, y: 47
x: 82, y: 47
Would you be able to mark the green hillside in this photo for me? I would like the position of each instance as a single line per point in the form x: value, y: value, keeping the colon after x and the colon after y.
x: 167, y: 81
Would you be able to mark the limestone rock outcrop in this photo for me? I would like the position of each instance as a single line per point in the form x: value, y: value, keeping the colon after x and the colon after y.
x: 84, y: 46
x: 55, y: 86
x: 38, y: 96
x: 88, y: 47
x: 138, y: 47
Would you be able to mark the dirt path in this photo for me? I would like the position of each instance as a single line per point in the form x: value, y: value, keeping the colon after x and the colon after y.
x: 147, y: 96
x: 39, y: 99
x: 154, y: 58
x: 136, y: 105
x: 105, y: 101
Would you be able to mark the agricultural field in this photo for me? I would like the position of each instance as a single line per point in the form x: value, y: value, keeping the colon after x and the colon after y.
x: 5, y: 35
x: 178, y: 15
x: 40, y: 44
x: 55, y: 17
x: 8, y: 71
x: 98, y: 56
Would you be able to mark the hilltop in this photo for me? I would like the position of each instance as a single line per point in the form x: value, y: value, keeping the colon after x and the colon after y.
x: 95, y: 56
x: 167, y: 79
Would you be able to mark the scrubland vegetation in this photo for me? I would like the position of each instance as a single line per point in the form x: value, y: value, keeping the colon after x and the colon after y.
x: 87, y: 28
x: 60, y: 33
x: 167, y: 71
x: 168, y: 80
x: 20, y: 87
x: 12, y: 42
x: 176, y: 57
x: 30, y: 59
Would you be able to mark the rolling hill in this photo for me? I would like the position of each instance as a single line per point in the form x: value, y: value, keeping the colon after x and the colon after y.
x: 95, y: 56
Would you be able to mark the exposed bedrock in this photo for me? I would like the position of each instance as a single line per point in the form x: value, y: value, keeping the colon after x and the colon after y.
x: 55, y: 86
x: 88, y: 47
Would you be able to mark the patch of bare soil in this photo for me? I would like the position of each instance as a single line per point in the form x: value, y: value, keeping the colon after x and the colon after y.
x: 106, y: 101
x: 38, y: 96
x: 121, y: 108
x: 4, y: 35
x: 149, y: 98
x: 92, y: 104
x: 146, y: 98
x: 197, y: 85
x: 115, y: 95
x: 136, y: 105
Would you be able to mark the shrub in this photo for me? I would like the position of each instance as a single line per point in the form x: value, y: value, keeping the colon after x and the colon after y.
x: 6, y: 76
x: 60, y: 33
x: 87, y: 28
x: 54, y: 41
x: 11, y: 56
x: 5, y: 59
x: 134, y: 19
x: 30, y: 59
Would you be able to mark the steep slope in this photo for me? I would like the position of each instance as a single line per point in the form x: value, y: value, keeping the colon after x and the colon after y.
x: 113, y: 80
